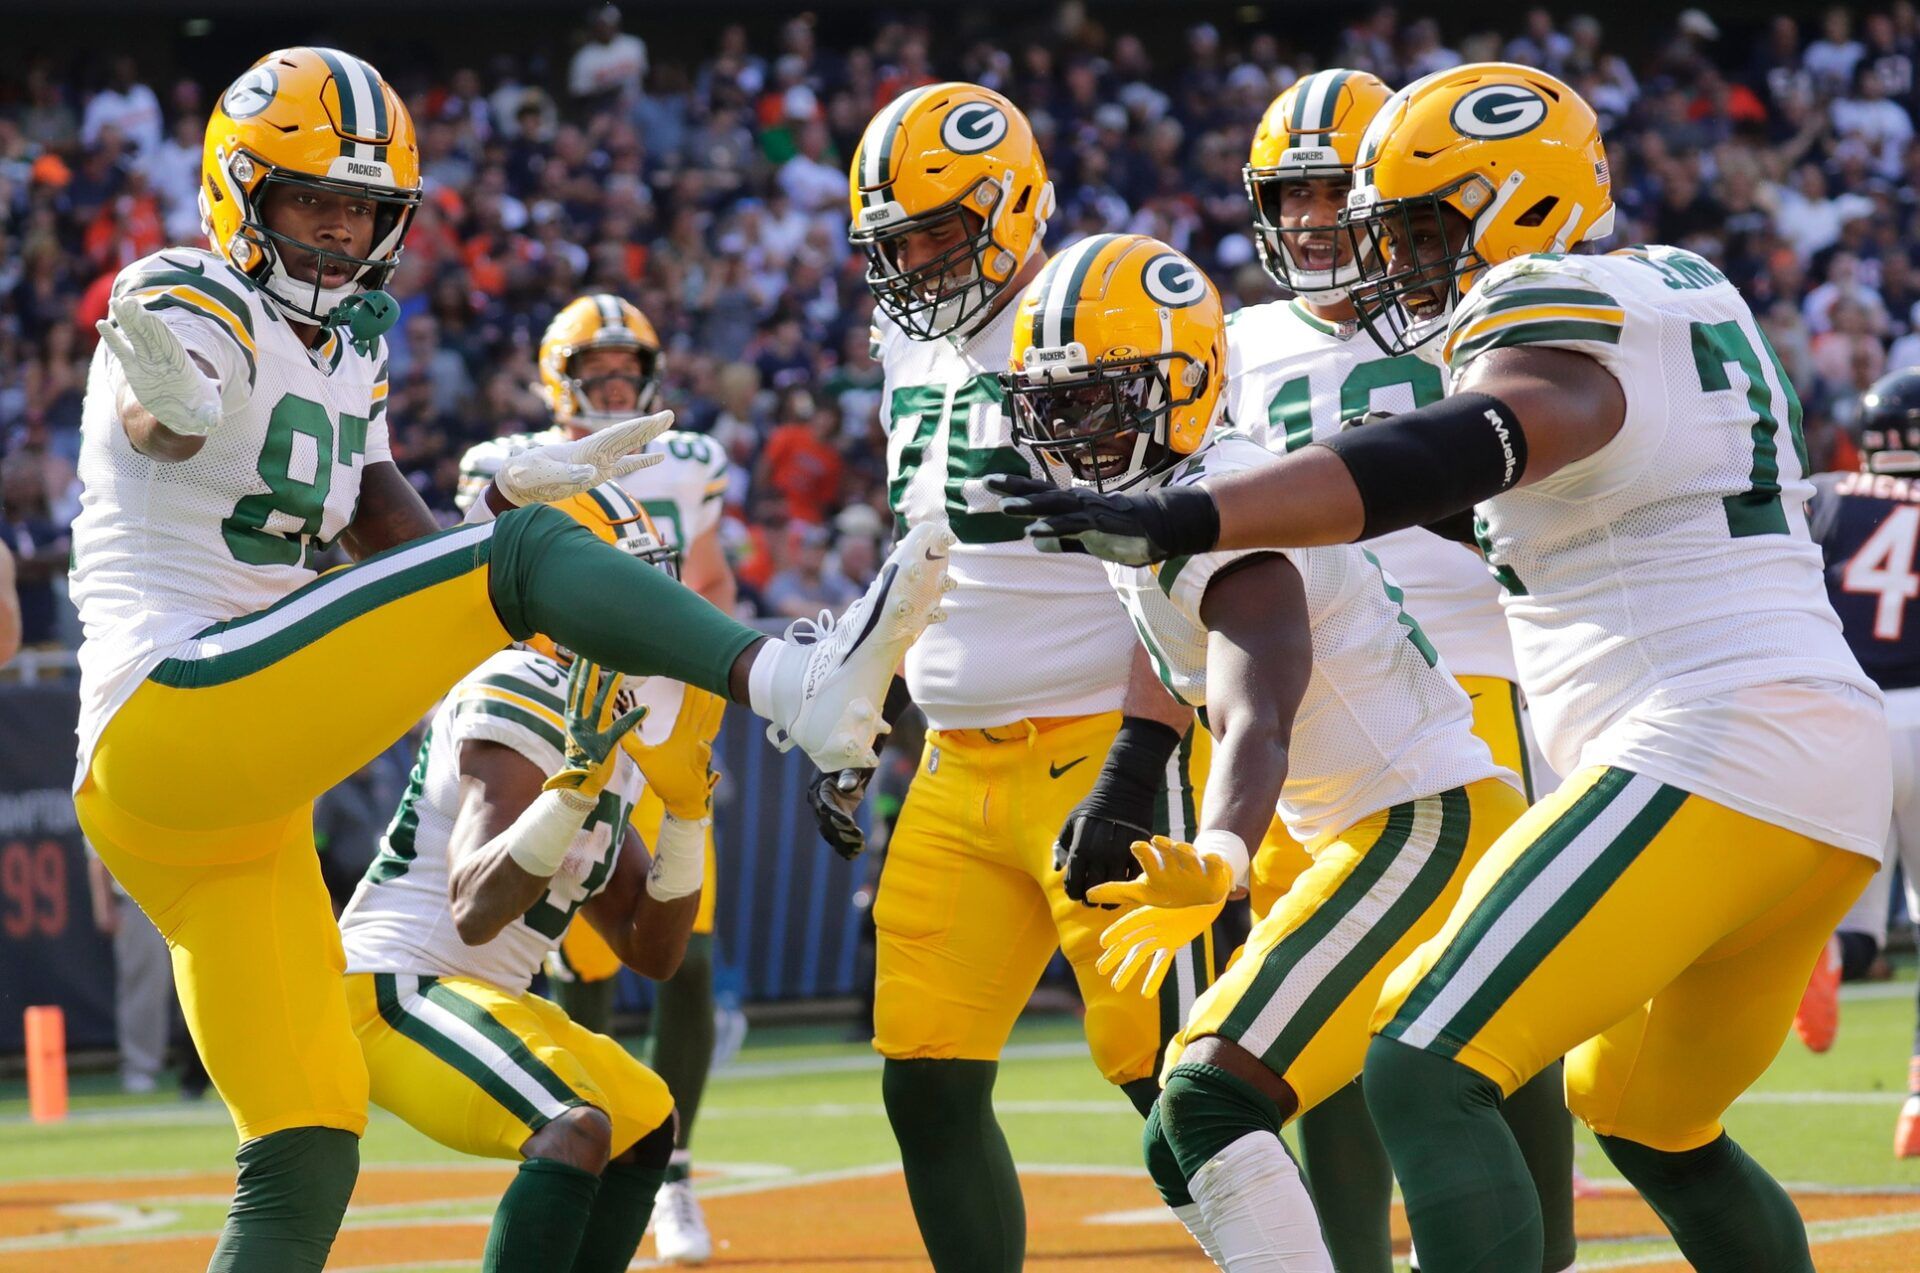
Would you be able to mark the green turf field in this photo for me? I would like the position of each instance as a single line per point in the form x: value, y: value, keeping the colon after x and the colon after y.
x: 798, y: 1103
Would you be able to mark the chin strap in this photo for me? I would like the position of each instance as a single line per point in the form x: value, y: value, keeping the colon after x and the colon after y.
x: 367, y: 317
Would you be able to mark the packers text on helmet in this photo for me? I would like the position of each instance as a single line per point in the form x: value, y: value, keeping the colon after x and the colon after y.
x: 312, y: 120
x: 954, y: 166
x: 1460, y: 171
x: 599, y: 321
x: 1118, y: 361
x: 1310, y: 133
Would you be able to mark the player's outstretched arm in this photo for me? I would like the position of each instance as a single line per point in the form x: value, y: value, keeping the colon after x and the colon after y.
x: 1516, y: 416
x: 169, y: 398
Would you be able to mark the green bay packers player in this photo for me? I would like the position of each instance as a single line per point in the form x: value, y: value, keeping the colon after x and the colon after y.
x: 1025, y: 690
x: 1297, y: 370
x: 600, y: 363
x: 1325, y: 699
x: 234, y: 423
x: 516, y: 821
x: 1631, y: 447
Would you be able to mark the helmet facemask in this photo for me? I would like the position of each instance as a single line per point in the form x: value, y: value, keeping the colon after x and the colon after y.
x: 1105, y: 427
x: 1287, y: 251
x: 953, y: 290
x: 313, y: 300
x: 1417, y: 258
x: 579, y: 389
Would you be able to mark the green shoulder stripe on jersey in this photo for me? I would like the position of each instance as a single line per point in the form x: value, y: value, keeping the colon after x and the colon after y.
x: 1169, y: 571
x: 526, y: 720
x: 225, y: 328
x: 197, y: 280
x: 1503, y: 299
x: 545, y: 695
x: 1543, y: 332
x: 346, y: 599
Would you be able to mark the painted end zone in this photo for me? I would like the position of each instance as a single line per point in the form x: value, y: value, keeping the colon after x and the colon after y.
x: 435, y: 1218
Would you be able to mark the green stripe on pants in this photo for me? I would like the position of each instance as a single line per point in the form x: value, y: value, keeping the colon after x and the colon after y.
x: 393, y: 1012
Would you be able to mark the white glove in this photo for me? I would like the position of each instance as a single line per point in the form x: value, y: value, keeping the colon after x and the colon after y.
x: 162, y: 377
x: 560, y: 470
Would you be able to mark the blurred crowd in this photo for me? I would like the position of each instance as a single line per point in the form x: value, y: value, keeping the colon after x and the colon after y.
x: 711, y: 191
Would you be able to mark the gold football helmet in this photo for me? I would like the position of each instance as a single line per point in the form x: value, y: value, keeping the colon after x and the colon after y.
x: 1460, y: 171
x: 321, y: 120
x: 1311, y: 132
x: 956, y: 158
x: 1118, y: 361
x: 616, y: 517
x: 599, y: 321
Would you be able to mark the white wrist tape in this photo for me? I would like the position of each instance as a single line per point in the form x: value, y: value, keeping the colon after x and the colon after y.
x: 679, y: 859
x: 478, y: 514
x: 539, y: 839
x: 1229, y: 848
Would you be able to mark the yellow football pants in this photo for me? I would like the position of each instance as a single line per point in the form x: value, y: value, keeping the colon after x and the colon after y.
x: 1301, y: 992
x: 584, y: 952
x: 1659, y: 940
x: 1496, y: 722
x: 199, y: 800
x: 971, y: 908
x: 480, y: 1070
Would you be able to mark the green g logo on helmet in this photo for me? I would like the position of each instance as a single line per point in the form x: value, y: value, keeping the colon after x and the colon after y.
x: 1498, y: 111
x: 1173, y: 281
x: 251, y: 93
x: 972, y: 127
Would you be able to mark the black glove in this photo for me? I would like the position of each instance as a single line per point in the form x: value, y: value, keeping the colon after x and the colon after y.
x: 1134, y: 530
x: 1095, y: 844
x: 835, y: 799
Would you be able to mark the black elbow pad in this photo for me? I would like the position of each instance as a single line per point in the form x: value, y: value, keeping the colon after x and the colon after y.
x: 1426, y: 466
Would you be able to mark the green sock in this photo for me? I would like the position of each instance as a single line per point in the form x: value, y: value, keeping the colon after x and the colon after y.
x: 292, y: 1189
x: 681, y: 1048
x: 960, y: 1176
x: 1162, y: 1166
x: 589, y: 1003
x: 1203, y: 1109
x: 1469, y: 1198
x: 1537, y: 1116
x: 1143, y: 1093
x: 541, y: 1219
x: 1350, y: 1180
x: 1725, y: 1212
x: 553, y: 576
x: 620, y: 1213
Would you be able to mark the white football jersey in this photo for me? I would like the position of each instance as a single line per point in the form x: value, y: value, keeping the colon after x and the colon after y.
x: 164, y: 551
x: 683, y: 494
x: 1382, y: 721
x: 1654, y: 588
x: 400, y: 919
x: 1292, y: 379
x: 1026, y: 633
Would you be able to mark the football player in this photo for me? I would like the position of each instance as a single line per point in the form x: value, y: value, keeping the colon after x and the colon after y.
x: 515, y: 821
x: 1026, y: 689
x: 235, y: 424
x: 1631, y: 449
x: 1297, y: 371
x: 1324, y: 698
x: 1868, y: 525
x: 600, y: 363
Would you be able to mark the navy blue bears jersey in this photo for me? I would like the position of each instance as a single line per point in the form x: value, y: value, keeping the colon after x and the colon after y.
x: 1867, y: 525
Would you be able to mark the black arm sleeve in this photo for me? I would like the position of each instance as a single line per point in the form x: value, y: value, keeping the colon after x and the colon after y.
x: 1427, y: 465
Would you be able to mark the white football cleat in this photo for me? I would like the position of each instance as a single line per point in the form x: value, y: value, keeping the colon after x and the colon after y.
x: 679, y: 1229
x: 852, y: 658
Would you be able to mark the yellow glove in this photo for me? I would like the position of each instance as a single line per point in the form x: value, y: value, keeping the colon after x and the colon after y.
x: 593, y: 732
x: 1175, y: 899
x: 680, y: 769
